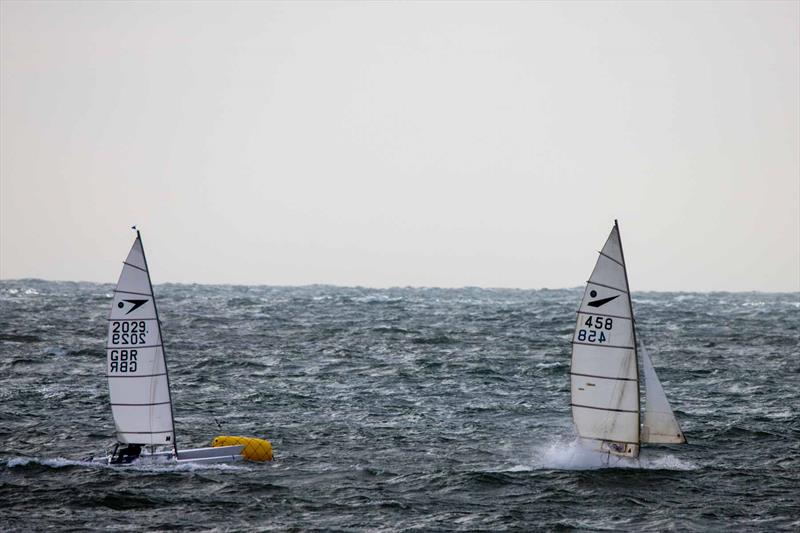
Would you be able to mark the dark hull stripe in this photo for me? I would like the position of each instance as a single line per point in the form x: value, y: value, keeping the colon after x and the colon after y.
x: 601, y: 377
x: 140, y: 376
x: 603, y: 345
x: 604, y: 409
x: 139, y: 404
x: 607, y: 287
x: 143, y: 270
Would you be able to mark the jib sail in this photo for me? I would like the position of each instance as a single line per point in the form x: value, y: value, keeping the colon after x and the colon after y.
x: 660, y: 425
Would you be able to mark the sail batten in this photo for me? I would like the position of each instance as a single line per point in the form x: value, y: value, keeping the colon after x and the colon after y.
x: 595, y: 313
x: 603, y: 345
x: 134, y: 266
x: 607, y: 286
x: 603, y: 408
x: 131, y: 292
x: 613, y: 259
x: 600, y: 377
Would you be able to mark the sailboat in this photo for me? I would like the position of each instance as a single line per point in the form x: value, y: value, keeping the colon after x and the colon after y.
x: 138, y: 381
x: 604, y: 371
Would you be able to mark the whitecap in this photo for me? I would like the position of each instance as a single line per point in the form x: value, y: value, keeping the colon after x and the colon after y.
x: 56, y: 462
x: 102, y: 462
x: 550, y: 365
x: 571, y: 455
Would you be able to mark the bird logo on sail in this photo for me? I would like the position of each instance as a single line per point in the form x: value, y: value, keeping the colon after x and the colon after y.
x: 601, y: 301
x: 135, y: 303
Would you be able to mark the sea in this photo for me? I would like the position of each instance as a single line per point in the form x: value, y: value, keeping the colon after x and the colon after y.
x: 397, y: 409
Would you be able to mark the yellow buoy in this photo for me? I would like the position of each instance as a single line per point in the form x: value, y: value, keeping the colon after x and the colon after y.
x: 254, y: 449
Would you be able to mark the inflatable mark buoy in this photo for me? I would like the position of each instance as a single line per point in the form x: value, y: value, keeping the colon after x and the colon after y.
x: 254, y: 449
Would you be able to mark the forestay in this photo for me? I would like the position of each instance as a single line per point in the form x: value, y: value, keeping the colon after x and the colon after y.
x: 137, y: 373
x: 660, y: 425
x: 604, y: 372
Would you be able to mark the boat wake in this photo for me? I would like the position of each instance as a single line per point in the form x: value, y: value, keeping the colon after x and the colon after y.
x: 102, y: 462
x: 570, y: 455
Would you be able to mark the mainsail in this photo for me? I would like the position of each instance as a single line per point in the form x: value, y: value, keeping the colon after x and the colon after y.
x: 604, y: 372
x: 660, y: 425
x: 137, y: 373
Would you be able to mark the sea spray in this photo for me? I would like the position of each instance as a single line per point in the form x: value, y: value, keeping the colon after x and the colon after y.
x: 572, y: 455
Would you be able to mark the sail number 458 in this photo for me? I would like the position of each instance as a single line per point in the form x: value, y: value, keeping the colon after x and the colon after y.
x: 595, y: 333
x: 599, y: 322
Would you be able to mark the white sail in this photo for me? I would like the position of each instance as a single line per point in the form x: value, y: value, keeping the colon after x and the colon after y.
x: 137, y: 374
x: 659, y: 425
x: 604, y: 374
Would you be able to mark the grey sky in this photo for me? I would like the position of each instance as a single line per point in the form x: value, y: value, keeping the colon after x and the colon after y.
x: 380, y: 144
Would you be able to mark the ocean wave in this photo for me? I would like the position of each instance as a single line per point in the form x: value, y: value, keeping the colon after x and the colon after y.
x: 102, y: 462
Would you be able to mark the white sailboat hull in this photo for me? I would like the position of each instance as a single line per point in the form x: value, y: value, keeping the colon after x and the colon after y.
x: 220, y: 454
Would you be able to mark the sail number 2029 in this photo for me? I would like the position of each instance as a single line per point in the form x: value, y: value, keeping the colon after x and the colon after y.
x: 128, y: 332
x: 595, y: 332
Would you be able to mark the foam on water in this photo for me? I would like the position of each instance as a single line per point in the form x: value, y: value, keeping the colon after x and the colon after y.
x: 55, y: 462
x: 571, y: 455
x: 102, y: 462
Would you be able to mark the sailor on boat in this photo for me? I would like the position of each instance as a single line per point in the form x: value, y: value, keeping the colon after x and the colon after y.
x: 125, y: 455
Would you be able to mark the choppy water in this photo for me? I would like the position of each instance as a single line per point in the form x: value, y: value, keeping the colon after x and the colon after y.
x: 424, y: 409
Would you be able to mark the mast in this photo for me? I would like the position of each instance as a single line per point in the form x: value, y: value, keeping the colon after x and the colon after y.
x: 161, y: 339
x: 633, y: 328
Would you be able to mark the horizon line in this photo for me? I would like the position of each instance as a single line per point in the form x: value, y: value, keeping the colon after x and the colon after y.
x: 388, y: 287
